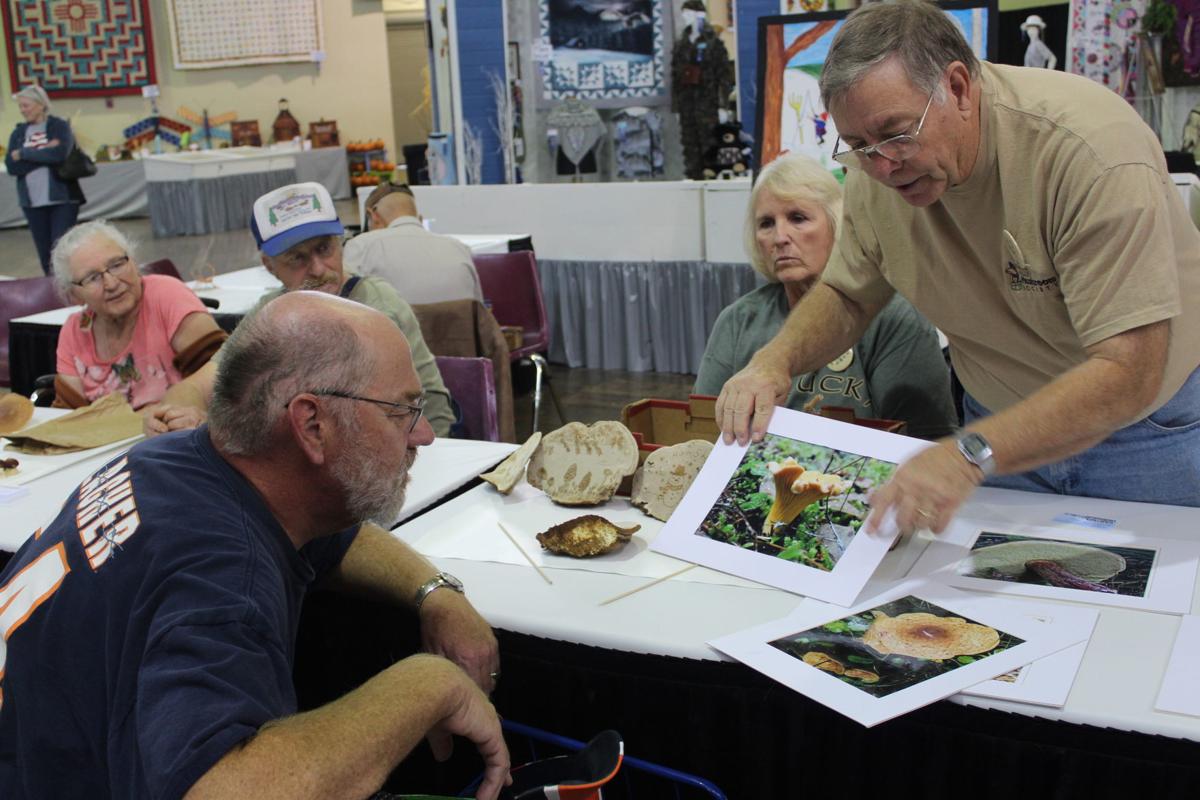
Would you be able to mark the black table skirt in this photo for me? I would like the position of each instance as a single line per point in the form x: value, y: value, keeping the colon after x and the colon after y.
x: 756, y: 739
x: 747, y: 734
x: 751, y: 736
x: 32, y: 348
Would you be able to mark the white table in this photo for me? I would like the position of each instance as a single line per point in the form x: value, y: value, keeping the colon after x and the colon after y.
x: 1129, y: 649
x: 33, y: 338
x: 212, y: 190
x: 237, y: 293
x: 206, y: 164
x: 117, y: 190
x: 640, y: 665
x: 440, y: 468
x: 46, y: 494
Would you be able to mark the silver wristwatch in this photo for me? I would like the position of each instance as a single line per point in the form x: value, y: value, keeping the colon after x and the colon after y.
x: 976, y: 449
x: 437, y: 582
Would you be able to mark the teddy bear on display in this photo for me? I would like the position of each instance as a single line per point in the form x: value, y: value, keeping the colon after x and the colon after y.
x: 729, y: 157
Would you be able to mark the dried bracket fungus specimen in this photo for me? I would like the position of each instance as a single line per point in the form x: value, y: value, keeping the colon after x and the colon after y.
x: 581, y: 465
x: 664, y: 479
x: 585, y: 537
x: 508, y: 473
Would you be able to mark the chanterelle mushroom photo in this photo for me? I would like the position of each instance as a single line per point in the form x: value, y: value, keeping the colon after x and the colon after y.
x: 796, y: 501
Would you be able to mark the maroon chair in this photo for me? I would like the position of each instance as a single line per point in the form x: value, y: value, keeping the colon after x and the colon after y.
x: 164, y: 266
x: 472, y: 386
x: 512, y: 289
x: 20, y: 298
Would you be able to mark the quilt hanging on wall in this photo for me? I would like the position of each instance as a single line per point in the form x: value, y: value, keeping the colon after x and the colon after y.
x: 1101, y: 43
x: 594, y: 49
x: 79, y: 48
x: 231, y: 33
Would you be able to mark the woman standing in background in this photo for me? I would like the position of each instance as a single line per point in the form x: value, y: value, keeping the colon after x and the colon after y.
x: 35, y: 150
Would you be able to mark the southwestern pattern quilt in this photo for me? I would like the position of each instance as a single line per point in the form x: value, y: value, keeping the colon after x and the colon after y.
x: 79, y: 48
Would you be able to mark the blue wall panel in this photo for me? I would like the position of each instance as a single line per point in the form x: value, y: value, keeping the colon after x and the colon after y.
x: 481, y: 49
x: 748, y: 12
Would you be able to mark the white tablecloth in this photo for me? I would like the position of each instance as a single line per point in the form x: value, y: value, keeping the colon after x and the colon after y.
x: 118, y: 189
x: 1116, y: 685
x: 440, y: 468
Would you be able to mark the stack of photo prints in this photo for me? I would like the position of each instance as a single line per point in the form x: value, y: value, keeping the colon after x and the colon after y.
x: 789, y: 512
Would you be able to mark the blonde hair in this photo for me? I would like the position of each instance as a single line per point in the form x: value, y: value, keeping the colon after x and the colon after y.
x: 791, y: 177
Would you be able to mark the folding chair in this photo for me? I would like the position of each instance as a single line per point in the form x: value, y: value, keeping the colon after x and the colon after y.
x: 511, y: 285
x: 20, y: 298
x: 470, y: 383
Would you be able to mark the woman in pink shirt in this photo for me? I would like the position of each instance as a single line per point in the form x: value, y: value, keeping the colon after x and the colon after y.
x: 132, y: 327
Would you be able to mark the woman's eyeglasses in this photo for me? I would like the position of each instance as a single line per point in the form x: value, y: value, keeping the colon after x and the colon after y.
x: 96, y: 277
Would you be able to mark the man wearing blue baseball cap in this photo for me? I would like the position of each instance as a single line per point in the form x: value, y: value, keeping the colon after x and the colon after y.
x: 299, y: 238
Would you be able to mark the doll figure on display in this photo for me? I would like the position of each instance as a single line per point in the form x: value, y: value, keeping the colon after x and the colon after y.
x: 729, y: 157
x: 1037, y: 54
x: 820, y: 124
x: 701, y: 79
x: 1190, y: 141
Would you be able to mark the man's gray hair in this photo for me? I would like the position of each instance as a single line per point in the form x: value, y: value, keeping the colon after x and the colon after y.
x: 70, y: 242
x: 268, y: 361
x: 926, y: 39
x: 791, y: 177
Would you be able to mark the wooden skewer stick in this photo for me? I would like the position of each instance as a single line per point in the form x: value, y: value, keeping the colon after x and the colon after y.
x: 654, y: 582
x: 521, y: 550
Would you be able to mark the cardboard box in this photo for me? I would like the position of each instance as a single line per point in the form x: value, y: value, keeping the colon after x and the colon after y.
x: 658, y: 423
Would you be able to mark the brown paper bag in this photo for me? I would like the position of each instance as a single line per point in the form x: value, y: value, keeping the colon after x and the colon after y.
x: 109, y: 419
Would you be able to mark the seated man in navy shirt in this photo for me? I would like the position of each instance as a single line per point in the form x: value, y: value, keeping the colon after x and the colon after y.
x: 148, y: 633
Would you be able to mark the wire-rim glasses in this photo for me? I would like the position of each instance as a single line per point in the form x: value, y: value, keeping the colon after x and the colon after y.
x: 415, y: 409
x: 894, y: 148
x: 96, y: 277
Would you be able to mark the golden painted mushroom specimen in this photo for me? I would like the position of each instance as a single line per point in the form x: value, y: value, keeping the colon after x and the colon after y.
x: 823, y: 662
x: 797, y: 488
x: 586, y: 536
x: 922, y: 635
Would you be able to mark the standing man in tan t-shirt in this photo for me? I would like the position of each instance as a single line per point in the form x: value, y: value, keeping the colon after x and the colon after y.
x: 1030, y: 216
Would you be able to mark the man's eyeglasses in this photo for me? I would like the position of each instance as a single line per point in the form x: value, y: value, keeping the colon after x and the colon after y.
x: 895, y: 148
x: 414, y: 409
x: 96, y: 277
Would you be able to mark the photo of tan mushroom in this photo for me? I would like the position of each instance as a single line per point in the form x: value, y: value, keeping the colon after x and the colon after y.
x: 1104, y: 569
x: 895, y: 646
x: 796, y: 501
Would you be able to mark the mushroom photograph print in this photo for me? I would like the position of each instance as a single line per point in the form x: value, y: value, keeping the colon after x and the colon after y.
x: 908, y: 646
x: 896, y: 645
x: 1126, y: 568
x: 1054, y: 562
x: 796, y: 501
x: 791, y: 510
